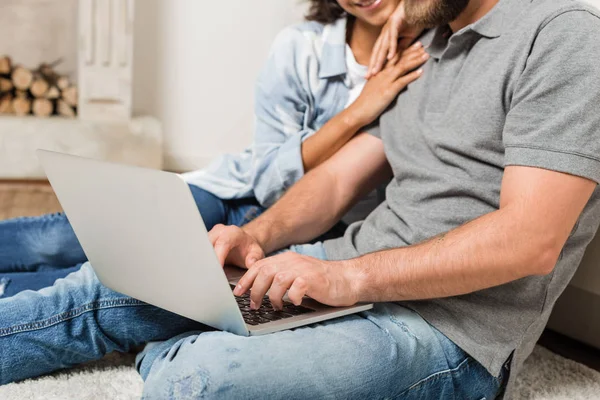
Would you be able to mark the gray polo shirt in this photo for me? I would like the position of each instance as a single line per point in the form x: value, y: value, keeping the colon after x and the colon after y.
x: 519, y: 87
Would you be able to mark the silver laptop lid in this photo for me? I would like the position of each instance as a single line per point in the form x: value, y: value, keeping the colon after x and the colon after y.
x: 144, y: 237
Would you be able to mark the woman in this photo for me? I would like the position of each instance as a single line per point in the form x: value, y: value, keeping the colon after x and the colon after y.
x: 309, y: 102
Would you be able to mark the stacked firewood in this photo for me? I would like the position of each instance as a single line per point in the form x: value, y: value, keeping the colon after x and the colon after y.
x: 41, y: 92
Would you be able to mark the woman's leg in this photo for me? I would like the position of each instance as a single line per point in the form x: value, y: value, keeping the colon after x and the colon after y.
x: 212, y: 208
x: 242, y: 211
x: 215, y: 210
x: 29, y: 242
x: 15, y: 282
x: 74, y: 321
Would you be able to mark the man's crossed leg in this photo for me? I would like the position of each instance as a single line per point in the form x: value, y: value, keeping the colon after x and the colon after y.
x: 387, y: 352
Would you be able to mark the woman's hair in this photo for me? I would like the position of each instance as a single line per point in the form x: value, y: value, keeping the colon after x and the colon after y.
x: 324, y: 11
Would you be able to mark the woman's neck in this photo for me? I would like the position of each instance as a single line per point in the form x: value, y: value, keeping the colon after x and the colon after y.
x: 361, y: 38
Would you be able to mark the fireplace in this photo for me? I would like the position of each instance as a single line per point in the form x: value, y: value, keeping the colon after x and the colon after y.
x: 92, y: 44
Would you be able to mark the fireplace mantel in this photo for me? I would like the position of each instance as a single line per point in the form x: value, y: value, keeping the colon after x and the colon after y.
x: 105, y: 59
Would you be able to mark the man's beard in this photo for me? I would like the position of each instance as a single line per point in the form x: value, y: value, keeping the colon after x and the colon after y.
x: 432, y: 13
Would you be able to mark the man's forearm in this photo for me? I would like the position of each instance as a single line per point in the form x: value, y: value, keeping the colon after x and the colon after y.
x: 492, y: 250
x: 320, y: 199
x: 300, y: 214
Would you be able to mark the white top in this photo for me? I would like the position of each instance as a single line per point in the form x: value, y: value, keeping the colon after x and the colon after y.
x: 355, y: 80
x: 355, y: 77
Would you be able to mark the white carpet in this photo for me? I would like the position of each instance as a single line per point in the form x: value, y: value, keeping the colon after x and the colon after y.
x: 546, y: 376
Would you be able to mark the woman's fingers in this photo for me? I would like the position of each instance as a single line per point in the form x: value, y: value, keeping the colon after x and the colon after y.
x: 374, y: 57
x: 391, y: 63
x: 405, y: 80
x: 394, y: 33
x: 379, y: 55
x: 415, y: 50
x: 409, y: 61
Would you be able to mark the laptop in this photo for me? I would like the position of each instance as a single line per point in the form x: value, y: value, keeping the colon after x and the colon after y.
x: 144, y: 237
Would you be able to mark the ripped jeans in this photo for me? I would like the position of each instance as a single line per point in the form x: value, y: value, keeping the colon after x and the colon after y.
x: 36, y: 251
x: 387, y: 352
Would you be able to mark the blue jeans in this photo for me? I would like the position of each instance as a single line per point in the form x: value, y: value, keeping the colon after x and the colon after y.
x: 36, y: 251
x: 388, y: 352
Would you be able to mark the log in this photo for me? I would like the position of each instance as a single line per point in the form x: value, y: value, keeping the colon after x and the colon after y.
x: 69, y: 95
x: 5, y: 65
x: 53, y: 93
x: 6, y: 85
x: 48, y: 73
x: 63, y: 82
x: 65, y: 110
x: 42, y: 107
x: 39, y: 87
x: 22, y: 78
x: 22, y: 106
x: 21, y: 94
x: 6, y: 104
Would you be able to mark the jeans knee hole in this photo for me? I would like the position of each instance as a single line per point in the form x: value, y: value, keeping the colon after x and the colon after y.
x: 190, y: 386
x: 402, y: 326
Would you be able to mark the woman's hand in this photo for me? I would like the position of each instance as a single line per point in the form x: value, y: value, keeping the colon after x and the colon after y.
x: 382, y: 89
x: 395, y: 36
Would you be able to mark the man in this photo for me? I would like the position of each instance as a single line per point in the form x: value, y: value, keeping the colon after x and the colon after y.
x: 496, y: 151
x: 494, y: 157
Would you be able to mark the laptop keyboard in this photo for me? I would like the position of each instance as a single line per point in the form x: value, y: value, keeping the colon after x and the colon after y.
x: 266, y: 312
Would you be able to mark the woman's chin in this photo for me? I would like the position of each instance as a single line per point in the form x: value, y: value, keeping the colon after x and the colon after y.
x: 377, y: 13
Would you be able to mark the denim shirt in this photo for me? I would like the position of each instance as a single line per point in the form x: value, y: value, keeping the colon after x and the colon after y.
x: 302, y: 86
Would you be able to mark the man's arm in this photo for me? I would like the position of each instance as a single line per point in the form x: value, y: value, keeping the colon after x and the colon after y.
x: 538, y: 211
x: 525, y: 237
x: 311, y: 207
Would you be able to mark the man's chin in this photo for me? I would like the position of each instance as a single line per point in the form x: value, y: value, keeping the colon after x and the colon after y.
x: 432, y: 13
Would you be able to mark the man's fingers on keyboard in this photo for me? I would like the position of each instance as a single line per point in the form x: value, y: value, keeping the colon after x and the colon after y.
x: 262, y: 283
x: 298, y: 290
x: 281, y: 283
x: 245, y: 283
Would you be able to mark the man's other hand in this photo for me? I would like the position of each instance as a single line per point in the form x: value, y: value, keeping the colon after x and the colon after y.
x: 329, y: 282
x: 235, y: 246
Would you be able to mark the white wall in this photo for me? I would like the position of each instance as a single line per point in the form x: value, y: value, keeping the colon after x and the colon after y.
x: 195, y: 67
x: 593, y: 2
x: 36, y: 31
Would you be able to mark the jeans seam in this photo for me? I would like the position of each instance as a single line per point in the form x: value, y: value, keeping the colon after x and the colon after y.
x: 56, y: 319
x: 434, y: 375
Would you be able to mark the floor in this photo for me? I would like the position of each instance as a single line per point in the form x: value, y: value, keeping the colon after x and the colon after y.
x: 26, y: 198
x: 29, y: 198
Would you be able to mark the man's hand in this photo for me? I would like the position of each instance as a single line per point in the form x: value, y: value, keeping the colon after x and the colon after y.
x: 396, y: 36
x: 328, y: 282
x: 235, y: 246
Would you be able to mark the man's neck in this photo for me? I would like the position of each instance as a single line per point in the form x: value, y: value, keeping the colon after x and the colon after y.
x: 476, y: 10
x: 362, y: 38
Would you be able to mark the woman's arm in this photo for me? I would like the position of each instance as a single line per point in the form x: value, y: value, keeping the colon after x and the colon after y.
x: 281, y: 156
x: 377, y: 95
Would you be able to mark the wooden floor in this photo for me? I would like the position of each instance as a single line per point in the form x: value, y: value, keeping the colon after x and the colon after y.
x: 27, y: 198
x: 36, y: 198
